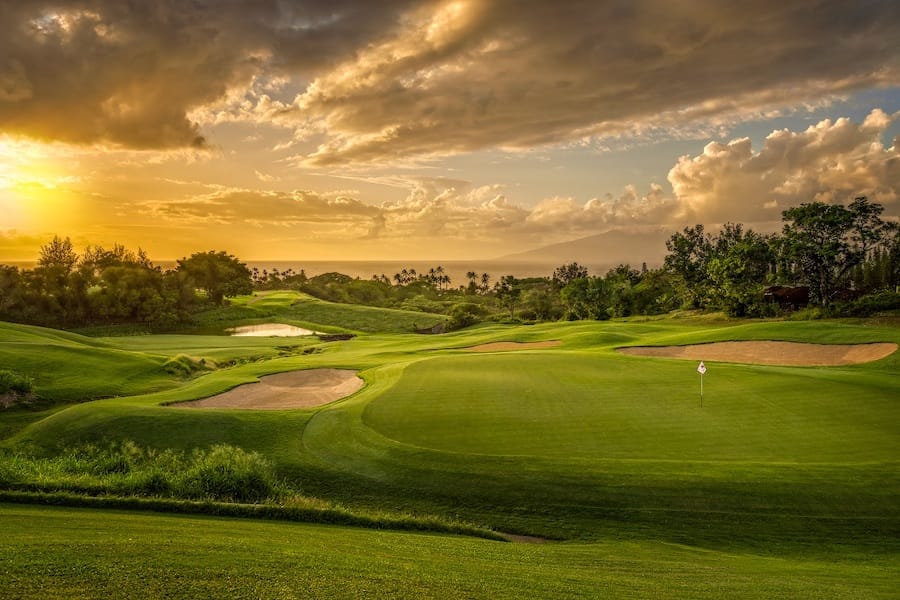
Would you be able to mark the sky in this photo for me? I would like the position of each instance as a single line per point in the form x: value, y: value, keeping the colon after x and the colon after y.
x: 445, y: 130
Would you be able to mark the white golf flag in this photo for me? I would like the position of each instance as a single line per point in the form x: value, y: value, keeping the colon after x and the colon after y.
x: 702, y: 368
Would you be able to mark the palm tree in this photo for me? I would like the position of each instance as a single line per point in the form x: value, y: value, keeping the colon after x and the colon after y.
x: 485, y: 283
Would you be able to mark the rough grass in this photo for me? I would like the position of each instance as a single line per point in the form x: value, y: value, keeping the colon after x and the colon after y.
x: 220, y: 473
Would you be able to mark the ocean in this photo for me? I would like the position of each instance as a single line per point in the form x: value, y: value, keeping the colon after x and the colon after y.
x: 455, y: 269
x: 365, y: 269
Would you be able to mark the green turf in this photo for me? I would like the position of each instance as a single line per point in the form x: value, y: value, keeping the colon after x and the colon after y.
x: 303, y: 310
x: 82, y: 553
x: 567, y: 404
x: 790, y: 468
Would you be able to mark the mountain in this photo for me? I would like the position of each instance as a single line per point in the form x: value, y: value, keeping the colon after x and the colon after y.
x: 603, y: 249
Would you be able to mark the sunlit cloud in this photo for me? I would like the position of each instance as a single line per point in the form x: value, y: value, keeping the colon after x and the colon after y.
x: 832, y: 161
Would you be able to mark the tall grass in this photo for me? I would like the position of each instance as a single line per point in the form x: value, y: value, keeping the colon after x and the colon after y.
x: 10, y: 381
x: 221, y: 480
x: 221, y: 473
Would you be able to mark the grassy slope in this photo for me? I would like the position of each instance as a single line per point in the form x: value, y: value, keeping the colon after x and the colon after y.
x: 765, y: 468
x: 74, y: 553
x: 65, y: 366
x: 303, y: 310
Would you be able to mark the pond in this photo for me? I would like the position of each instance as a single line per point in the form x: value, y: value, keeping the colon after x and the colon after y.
x: 270, y: 330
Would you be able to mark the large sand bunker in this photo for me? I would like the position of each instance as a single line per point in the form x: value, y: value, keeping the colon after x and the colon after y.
x: 772, y: 353
x: 505, y: 346
x: 294, y: 389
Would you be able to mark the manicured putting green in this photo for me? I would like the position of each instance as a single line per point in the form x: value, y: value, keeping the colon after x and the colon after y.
x: 597, y: 406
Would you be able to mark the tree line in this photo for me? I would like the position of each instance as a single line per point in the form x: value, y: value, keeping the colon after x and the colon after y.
x: 116, y: 285
x: 837, y: 253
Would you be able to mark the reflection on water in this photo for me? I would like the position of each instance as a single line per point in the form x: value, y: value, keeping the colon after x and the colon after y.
x: 269, y: 330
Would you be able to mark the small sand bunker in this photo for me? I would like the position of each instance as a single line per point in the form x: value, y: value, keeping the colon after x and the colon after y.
x: 269, y: 330
x: 294, y: 389
x: 791, y: 354
x: 505, y: 346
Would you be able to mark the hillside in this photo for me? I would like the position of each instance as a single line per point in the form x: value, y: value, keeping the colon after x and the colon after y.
x: 603, y: 250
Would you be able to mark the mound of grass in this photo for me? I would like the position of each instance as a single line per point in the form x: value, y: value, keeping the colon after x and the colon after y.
x: 66, y: 367
x: 183, y: 365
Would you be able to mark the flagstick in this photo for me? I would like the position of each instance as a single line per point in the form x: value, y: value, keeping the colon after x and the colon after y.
x: 701, y: 368
x: 701, y: 390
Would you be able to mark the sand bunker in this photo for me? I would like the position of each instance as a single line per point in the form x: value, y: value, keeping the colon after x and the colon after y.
x: 294, y: 389
x: 772, y: 353
x: 503, y: 346
x: 269, y: 330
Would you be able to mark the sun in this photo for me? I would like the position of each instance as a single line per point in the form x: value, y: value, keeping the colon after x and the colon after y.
x: 34, y: 192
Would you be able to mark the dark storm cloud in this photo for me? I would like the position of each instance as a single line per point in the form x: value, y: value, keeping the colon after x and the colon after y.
x: 130, y: 72
x: 387, y: 80
x: 521, y: 74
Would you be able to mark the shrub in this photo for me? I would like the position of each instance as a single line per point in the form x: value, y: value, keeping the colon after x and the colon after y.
x: 872, y: 303
x: 10, y: 381
x: 230, y: 474
x: 465, y: 314
x: 184, y: 366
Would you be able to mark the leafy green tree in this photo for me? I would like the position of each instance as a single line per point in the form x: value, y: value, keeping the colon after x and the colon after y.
x: 58, y: 255
x: 563, y: 274
x: 656, y: 293
x: 586, y: 298
x: 12, y: 293
x: 620, y: 282
x: 738, y: 270
x: 220, y: 274
x: 827, y: 241
x: 507, y: 291
x: 689, y: 253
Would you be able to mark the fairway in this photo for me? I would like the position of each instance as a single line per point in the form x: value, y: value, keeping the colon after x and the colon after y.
x: 142, y: 556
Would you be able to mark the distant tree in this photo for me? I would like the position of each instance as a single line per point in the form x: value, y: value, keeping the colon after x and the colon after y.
x: 656, y: 293
x: 738, y: 270
x: 827, y: 241
x: 58, y: 255
x: 562, y: 275
x: 689, y: 252
x: 472, y: 288
x: 13, y: 299
x: 619, y: 287
x: 485, y: 283
x: 586, y: 298
x: 220, y: 274
x: 508, y: 292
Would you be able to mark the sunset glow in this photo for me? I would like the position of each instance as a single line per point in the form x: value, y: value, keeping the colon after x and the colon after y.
x: 438, y: 130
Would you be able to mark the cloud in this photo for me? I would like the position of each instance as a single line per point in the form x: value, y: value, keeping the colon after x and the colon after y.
x: 466, y: 75
x: 832, y: 161
x: 131, y: 73
x: 238, y: 207
x: 390, y: 80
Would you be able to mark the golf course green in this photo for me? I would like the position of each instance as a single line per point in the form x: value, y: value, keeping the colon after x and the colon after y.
x: 784, y: 482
